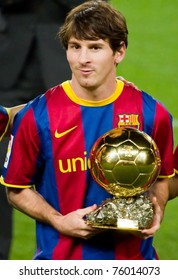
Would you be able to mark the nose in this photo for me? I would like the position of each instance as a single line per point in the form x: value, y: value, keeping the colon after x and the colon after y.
x: 84, y: 56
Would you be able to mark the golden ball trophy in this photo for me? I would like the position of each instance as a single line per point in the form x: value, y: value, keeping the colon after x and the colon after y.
x: 125, y: 162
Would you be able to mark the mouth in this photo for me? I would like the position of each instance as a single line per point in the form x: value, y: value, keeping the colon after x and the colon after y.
x: 85, y: 71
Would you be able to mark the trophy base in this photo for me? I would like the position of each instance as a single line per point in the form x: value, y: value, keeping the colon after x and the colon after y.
x: 128, y: 214
x: 122, y: 224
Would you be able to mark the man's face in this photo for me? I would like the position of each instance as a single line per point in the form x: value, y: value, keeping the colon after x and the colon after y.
x: 92, y: 62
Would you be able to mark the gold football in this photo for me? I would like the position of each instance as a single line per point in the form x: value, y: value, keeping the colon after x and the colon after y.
x: 125, y: 162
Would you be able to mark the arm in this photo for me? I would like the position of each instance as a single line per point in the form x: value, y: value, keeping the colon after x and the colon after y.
x: 34, y: 205
x: 173, y: 187
x: 26, y: 145
x: 173, y: 182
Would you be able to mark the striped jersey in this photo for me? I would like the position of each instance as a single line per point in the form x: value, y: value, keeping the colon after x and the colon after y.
x: 53, y: 137
x: 4, y: 121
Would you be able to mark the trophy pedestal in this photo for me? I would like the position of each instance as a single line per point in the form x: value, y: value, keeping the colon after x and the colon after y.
x: 128, y: 214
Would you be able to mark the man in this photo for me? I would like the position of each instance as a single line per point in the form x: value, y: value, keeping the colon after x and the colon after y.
x: 46, y: 171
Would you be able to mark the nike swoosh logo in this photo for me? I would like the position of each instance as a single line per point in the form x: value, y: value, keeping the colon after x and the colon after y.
x: 59, y: 135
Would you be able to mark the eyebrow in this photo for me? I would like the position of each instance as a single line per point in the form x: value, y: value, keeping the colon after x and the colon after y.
x: 91, y: 43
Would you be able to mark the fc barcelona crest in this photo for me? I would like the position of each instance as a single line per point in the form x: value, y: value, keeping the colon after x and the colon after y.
x: 130, y: 120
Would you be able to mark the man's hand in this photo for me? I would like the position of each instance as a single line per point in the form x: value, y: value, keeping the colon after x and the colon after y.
x: 127, y: 82
x: 73, y: 224
x: 157, y: 218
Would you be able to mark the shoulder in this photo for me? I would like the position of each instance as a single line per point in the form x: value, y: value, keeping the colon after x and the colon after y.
x: 153, y: 104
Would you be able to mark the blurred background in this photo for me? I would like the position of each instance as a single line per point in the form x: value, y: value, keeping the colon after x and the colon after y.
x: 151, y: 62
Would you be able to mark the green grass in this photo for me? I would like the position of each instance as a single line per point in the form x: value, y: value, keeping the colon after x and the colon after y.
x: 151, y: 63
x: 23, y: 242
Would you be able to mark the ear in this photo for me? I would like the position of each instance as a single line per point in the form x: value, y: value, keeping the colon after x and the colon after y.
x: 120, y: 54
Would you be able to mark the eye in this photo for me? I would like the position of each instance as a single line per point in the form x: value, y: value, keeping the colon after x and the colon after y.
x: 74, y: 46
x: 95, y: 47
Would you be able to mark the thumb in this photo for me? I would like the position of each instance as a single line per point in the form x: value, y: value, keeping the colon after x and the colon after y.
x: 87, y: 210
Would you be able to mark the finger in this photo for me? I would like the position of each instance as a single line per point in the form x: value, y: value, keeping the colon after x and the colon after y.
x: 83, y: 212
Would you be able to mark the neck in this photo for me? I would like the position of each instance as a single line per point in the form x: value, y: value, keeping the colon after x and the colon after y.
x: 94, y: 93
